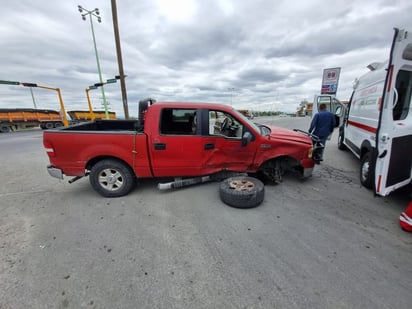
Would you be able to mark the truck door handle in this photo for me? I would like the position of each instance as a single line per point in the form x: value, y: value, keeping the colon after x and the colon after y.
x: 209, y: 146
x: 160, y: 146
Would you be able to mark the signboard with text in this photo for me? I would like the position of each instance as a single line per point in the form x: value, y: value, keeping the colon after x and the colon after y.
x: 330, y: 81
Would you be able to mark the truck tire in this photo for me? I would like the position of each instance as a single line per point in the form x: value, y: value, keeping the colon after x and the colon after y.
x: 49, y: 125
x: 341, y: 145
x: 367, y: 171
x: 112, y: 178
x: 4, y: 129
x: 242, y: 192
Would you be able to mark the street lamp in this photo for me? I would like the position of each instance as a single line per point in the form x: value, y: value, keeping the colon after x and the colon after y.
x: 96, y: 14
x: 231, y: 94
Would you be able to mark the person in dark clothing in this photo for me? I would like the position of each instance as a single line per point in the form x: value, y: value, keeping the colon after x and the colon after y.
x: 322, y: 125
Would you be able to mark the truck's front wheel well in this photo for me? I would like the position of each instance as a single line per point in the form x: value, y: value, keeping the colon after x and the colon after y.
x: 275, y: 168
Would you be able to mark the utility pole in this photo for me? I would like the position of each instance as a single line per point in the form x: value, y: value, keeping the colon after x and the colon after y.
x: 119, y: 60
x: 96, y: 14
x: 32, y: 96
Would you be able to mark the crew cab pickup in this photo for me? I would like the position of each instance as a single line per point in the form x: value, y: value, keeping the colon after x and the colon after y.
x: 173, y: 139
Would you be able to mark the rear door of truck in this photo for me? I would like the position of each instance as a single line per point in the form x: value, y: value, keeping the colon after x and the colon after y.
x: 176, y: 145
x: 394, y: 137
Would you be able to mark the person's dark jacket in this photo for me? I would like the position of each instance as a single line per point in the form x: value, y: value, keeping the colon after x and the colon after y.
x: 323, y: 124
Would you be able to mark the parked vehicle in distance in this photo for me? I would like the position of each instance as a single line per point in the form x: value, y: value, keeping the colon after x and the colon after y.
x: 12, y: 119
x: 173, y: 139
x: 246, y: 113
x: 377, y: 124
x: 83, y: 115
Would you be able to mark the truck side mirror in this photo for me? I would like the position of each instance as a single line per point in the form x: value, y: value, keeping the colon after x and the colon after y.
x: 246, y: 138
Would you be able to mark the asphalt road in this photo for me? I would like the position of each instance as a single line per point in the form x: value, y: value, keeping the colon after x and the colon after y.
x: 321, y: 243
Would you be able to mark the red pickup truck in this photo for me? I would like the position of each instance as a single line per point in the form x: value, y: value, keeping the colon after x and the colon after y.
x: 173, y: 139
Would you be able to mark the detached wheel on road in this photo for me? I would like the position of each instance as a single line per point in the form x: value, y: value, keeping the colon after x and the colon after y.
x: 112, y: 178
x: 242, y: 192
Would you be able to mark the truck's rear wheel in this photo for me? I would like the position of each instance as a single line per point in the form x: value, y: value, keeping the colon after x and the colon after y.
x: 242, y: 192
x: 112, y: 178
x: 367, y: 174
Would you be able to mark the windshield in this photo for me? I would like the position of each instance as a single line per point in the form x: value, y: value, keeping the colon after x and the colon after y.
x: 263, y: 130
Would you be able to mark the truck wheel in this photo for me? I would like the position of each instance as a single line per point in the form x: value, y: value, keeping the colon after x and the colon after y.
x: 49, y: 125
x: 242, y: 192
x: 367, y: 174
x: 112, y: 178
x: 341, y: 145
x: 4, y: 129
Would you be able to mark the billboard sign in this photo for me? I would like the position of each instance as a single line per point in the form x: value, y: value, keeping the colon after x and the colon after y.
x: 330, y: 81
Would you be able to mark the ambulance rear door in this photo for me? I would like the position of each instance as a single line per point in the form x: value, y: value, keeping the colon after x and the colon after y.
x: 394, y: 135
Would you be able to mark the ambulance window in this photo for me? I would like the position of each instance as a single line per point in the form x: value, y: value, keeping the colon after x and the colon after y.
x: 404, y: 90
x: 407, y: 52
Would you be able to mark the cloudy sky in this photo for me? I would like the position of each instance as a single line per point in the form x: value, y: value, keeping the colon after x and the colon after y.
x: 254, y: 54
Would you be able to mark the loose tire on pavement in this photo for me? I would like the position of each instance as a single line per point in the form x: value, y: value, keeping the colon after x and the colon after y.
x: 242, y: 192
x: 112, y: 178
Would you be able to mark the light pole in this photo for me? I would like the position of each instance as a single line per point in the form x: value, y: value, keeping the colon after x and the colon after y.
x: 32, y: 96
x: 96, y: 14
x: 231, y: 94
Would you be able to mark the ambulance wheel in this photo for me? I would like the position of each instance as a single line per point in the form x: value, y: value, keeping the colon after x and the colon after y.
x: 242, y: 192
x: 367, y: 174
x: 112, y: 178
x: 341, y: 145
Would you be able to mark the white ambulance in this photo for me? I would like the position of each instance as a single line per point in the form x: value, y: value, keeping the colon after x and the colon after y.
x: 377, y: 123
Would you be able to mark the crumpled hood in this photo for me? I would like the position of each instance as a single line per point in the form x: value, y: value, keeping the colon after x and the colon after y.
x: 288, y: 134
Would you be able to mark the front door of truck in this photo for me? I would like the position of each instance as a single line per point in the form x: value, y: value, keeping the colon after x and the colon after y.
x: 394, y: 138
x: 222, y: 143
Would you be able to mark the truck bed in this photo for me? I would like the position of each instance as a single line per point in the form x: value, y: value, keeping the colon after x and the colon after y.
x: 106, y: 125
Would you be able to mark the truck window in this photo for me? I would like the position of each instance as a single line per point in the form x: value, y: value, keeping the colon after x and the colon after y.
x: 221, y: 123
x: 403, y: 97
x: 176, y: 121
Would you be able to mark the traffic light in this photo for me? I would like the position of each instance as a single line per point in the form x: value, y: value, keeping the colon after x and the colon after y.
x: 9, y: 82
x: 98, y: 84
x: 29, y: 85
